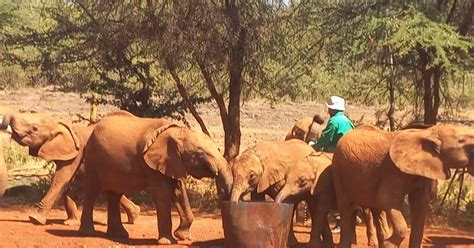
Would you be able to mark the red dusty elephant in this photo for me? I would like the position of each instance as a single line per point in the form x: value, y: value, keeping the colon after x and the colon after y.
x: 126, y: 153
x: 62, y: 143
x: 377, y: 169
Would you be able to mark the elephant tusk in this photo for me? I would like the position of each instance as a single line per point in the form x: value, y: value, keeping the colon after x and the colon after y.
x: 217, y: 173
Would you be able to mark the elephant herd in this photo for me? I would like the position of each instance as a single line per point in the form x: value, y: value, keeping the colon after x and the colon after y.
x: 371, y: 169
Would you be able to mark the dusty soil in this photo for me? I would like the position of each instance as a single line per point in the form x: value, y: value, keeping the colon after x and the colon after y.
x: 206, y: 231
x: 259, y: 122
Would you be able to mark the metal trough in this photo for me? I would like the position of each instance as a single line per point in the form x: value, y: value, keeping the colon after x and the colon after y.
x: 256, y: 224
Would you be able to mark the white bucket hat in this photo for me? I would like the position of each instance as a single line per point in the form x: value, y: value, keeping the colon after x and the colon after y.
x: 336, y: 103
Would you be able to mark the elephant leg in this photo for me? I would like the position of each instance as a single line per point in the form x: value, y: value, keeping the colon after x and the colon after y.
x: 71, y: 210
x: 131, y: 209
x: 376, y: 214
x: 87, y: 222
x: 399, y: 228
x: 320, y: 226
x: 348, y: 223
x: 418, y: 208
x: 62, y: 177
x: 162, y: 189
x: 186, y: 217
x: 370, y: 227
x: 114, y: 222
x: 385, y: 225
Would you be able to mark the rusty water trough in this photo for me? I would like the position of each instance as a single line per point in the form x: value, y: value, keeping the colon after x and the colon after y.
x: 256, y: 224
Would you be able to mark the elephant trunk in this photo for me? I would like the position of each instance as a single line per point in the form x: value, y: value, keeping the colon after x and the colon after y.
x: 224, y: 181
x: 7, y: 118
x: 282, y: 195
x: 237, y: 191
x: 3, y: 176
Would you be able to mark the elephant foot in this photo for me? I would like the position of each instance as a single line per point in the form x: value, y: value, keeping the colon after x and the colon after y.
x: 86, y: 231
x: 315, y: 245
x: 72, y: 222
x: 166, y: 241
x: 117, y: 232
x: 390, y: 244
x: 133, y: 215
x: 372, y: 242
x: 182, y: 233
x: 38, y: 219
x: 292, y: 241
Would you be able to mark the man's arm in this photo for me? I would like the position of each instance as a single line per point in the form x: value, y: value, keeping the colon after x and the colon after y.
x: 326, y: 137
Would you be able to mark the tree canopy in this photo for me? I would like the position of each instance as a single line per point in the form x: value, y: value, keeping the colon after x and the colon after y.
x: 161, y: 58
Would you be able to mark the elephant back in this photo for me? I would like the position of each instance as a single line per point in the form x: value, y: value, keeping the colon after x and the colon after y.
x: 300, y: 129
x: 276, y: 157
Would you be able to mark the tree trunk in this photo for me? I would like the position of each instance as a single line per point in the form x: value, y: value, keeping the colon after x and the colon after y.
x: 217, y: 97
x: 391, y: 89
x: 431, y: 91
x: 236, y: 66
x: 184, y: 94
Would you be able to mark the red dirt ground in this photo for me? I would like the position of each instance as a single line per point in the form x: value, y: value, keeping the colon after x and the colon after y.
x: 259, y: 122
x: 206, y: 231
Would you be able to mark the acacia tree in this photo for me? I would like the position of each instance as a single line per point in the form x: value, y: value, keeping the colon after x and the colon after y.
x: 129, y: 46
x: 428, y: 43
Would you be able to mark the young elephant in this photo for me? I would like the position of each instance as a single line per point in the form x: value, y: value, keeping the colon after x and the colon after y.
x: 126, y: 153
x: 3, y: 173
x: 306, y: 129
x: 261, y: 169
x: 64, y: 144
x: 378, y: 169
x: 310, y: 179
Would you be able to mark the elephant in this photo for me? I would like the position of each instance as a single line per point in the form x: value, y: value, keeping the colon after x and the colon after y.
x: 310, y: 179
x: 62, y: 143
x: 3, y: 166
x: 306, y: 129
x: 309, y: 129
x: 3, y: 174
x: 126, y: 153
x: 260, y: 170
x: 377, y: 169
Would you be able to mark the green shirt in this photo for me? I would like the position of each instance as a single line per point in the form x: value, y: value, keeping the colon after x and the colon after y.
x: 337, y: 126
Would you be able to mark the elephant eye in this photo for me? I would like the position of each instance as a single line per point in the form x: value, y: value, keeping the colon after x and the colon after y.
x: 252, y: 175
x: 302, y: 182
x: 34, y: 128
x: 462, y: 139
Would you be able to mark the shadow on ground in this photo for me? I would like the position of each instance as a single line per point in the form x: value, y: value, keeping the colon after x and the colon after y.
x: 211, y: 243
x: 444, y: 241
x: 126, y: 241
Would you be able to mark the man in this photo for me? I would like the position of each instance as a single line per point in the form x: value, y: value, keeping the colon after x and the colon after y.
x: 337, y: 126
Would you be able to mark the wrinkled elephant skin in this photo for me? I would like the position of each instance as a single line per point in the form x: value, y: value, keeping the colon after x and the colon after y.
x: 62, y: 143
x: 377, y: 169
x: 261, y: 169
x: 127, y: 154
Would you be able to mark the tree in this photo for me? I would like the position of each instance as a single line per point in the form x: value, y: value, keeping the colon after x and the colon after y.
x: 131, y: 47
x: 424, y: 41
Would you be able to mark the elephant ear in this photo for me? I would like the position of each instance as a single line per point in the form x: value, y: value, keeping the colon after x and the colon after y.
x: 63, y: 145
x: 273, y: 173
x: 322, y: 179
x: 417, y: 152
x: 161, y: 153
